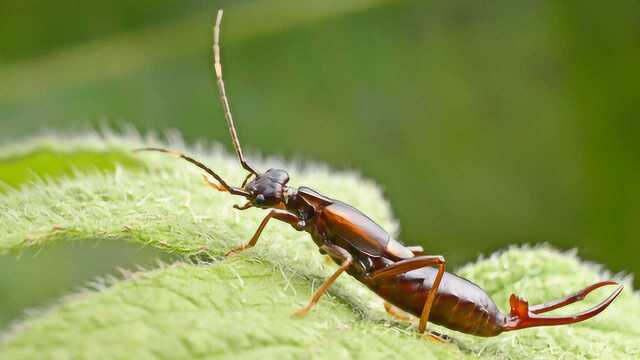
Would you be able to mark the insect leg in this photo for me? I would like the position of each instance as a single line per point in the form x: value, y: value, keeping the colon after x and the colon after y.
x: 412, y: 264
x: 395, y: 312
x: 219, y: 187
x: 213, y: 185
x: 404, y: 266
x: 246, y: 179
x: 281, y: 215
x: 246, y: 206
x: 336, y: 252
x: 223, y: 184
x: 426, y: 310
x: 400, y: 315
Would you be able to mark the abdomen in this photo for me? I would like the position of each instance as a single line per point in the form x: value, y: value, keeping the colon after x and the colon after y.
x: 459, y: 304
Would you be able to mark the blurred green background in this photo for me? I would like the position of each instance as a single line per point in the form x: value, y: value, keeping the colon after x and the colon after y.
x: 486, y: 123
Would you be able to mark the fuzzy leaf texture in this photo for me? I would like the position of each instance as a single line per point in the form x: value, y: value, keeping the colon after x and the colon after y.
x: 241, y: 307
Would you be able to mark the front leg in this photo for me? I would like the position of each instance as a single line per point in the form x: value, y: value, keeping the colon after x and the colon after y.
x: 219, y: 187
x: 212, y: 184
x: 282, y: 215
x: 336, y: 252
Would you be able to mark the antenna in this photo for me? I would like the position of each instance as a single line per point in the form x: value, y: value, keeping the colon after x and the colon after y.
x: 223, y: 95
x: 224, y: 185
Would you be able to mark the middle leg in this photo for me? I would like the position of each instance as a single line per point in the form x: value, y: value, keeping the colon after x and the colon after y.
x: 336, y: 252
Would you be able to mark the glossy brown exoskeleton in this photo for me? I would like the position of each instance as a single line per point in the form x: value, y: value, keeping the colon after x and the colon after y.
x: 403, y: 276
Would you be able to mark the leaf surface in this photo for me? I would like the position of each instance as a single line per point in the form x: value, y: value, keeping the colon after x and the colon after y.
x: 241, y: 307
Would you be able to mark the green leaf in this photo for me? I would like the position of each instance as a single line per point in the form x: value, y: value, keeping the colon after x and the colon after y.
x: 20, y: 169
x: 235, y: 309
x: 241, y: 307
x: 40, y: 275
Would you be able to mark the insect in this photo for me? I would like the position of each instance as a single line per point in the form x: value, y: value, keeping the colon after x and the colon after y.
x: 402, y: 275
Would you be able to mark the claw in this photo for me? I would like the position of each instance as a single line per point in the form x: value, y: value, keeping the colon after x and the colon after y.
x: 235, y: 251
x: 436, y: 337
x: 524, y: 316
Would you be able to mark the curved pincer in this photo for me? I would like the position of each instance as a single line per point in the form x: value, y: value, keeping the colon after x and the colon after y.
x: 523, y: 316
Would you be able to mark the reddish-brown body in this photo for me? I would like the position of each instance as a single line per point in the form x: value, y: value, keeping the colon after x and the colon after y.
x: 401, y: 275
x: 459, y: 304
x: 393, y: 271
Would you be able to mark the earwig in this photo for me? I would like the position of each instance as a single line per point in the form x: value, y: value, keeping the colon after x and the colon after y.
x: 402, y: 275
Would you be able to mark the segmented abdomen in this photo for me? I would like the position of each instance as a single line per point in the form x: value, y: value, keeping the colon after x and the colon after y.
x: 459, y: 304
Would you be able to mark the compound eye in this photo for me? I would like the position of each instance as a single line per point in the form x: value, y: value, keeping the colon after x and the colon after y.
x: 260, y: 199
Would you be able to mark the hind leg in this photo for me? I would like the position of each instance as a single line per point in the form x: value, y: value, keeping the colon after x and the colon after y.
x: 437, y: 337
x: 417, y: 262
x: 397, y: 313
x: 405, y: 317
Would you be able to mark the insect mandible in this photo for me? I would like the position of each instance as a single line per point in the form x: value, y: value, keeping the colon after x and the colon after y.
x: 402, y: 275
